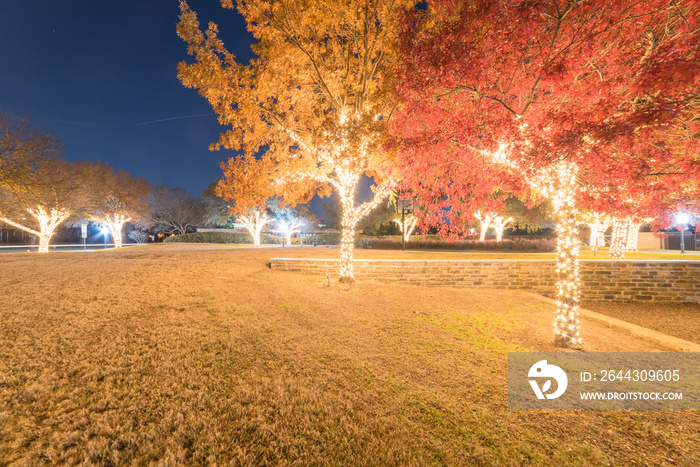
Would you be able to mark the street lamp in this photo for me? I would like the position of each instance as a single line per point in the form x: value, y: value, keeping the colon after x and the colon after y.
x: 283, y: 226
x: 104, y: 231
x: 682, y: 219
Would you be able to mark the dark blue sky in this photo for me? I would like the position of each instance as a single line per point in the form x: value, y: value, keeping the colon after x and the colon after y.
x: 93, y: 72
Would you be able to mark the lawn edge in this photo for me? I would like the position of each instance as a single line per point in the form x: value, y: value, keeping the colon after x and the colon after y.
x: 675, y: 343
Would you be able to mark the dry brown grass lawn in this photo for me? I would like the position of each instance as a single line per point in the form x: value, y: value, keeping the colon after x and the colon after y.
x: 198, y: 354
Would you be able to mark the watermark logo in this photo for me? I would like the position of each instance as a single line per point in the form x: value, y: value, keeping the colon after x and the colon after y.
x: 542, y: 369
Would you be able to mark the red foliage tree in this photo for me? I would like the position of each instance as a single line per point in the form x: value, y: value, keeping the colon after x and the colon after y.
x: 568, y: 94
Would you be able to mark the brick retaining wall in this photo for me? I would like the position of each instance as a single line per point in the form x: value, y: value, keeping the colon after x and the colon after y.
x: 668, y: 281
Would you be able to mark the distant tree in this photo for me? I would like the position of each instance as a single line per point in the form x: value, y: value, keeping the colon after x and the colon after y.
x: 379, y: 221
x: 292, y: 220
x: 530, y: 215
x: 138, y: 236
x: 216, y: 208
x: 44, y: 199
x: 24, y: 151
x: 248, y: 192
x: 331, y: 213
x: 115, y: 198
x: 406, y: 225
x: 174, y: 209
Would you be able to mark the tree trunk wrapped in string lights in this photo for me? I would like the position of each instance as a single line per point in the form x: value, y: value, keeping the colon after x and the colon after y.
x: 620, y: 232
x: 499, y: 224
x: 406, y: 227
x: 484, y: 223
x: 254, y: 224
x: 598, y: 222
x: 624, y: 236
x: 610, y: 84
x: 343, y: 153
x: 311, y: 111
x: 115, y: 224
x: 116, y: 197
x: 48, y: 221
x: 563, y: 187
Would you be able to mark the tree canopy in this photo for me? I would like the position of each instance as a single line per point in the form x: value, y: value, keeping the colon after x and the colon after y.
x: 310, y: 112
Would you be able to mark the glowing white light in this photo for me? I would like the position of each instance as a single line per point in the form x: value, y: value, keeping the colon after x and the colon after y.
x: 47, y: 224
x: 340, y: 159
x: 682, y: 218
x: 407, y: 226
x: 484, y: 223
x: 499, y: 223
x: 254, y: 225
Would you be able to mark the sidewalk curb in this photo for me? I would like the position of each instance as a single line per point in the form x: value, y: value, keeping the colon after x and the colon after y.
x: 675, y: 343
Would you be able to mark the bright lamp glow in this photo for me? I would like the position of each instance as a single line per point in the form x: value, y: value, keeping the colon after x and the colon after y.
x: 682, y: 218
x: 104, y: 230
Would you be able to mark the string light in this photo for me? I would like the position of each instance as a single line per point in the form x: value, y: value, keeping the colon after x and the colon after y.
x: 255, y: 225
x: 499, y: 224
x: 47, y: 224
x: 410, y: 224
x: 558, y: 183
x: 599, y: 223
x: 115, y: 223
x: 289, y: 230
x: 340, y: 158
x: 484, y: 223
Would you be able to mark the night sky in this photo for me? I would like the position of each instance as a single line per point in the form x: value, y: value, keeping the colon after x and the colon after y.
x: 101, y: 75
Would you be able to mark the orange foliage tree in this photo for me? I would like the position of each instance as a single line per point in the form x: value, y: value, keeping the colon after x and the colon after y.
x: 310, y: 112
x: 248, y: 187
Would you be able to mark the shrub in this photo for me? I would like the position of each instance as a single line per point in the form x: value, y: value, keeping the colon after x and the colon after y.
x: 419, y: 243
x: 210, y: 237
x: 244, y: 238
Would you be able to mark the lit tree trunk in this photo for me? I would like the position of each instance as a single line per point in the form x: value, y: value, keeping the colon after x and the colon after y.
x: 351, y: 215
x: 499, y: 224
x: 407, y: 229
x: 116, y: 224
x: 347, y: 243
x: 294, y: 227
x: 47, y: 225
x: 255, y: 226
x: 566, y: 322
x: 618, y: 244
x: 485, y: 222
x: 597, y: 222
x: 632, y: 235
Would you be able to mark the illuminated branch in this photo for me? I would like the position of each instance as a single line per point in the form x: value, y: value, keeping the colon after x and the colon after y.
x: 115, y: 223
x: 499, y: 224
x: 47, y: 224
x: 599, y: 223
x: 255, y: 225
x: 484, y: 222
x: 407, y: 226
x: 289, y: 230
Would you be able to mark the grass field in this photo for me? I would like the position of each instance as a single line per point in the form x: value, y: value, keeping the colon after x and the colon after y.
x: 199, y: 354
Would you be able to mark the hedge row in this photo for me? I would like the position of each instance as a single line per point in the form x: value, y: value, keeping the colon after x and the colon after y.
x: 382, y: 243
x: 243, y: 238
x: 418, y: 243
